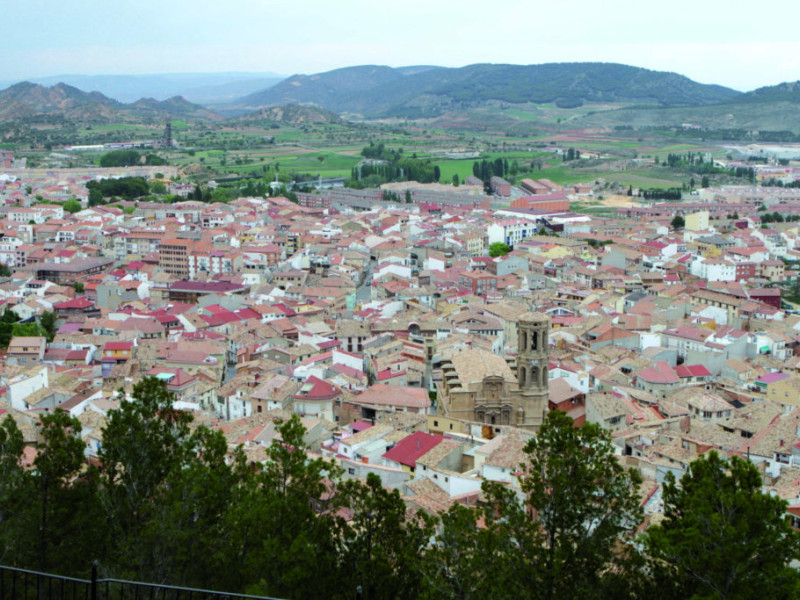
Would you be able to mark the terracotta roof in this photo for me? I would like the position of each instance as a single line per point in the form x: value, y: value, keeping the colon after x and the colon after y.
x: 394, y: 395
x: 410, y: 449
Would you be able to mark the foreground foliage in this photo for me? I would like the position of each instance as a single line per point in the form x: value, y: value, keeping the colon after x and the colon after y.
x: 171, y: 503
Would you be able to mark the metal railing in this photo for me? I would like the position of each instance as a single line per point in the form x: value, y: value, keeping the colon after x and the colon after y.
x: 21, y: 584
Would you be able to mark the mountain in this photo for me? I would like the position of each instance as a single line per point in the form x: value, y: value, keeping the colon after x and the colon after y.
x: 783, y: 92
x: 27, y: 99
x: 200, y: 88
x: 376, y: 91
x: 323, y: 89
x: 771, y: 108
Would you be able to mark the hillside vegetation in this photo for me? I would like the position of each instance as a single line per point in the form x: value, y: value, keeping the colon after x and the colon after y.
x: 382, y: 91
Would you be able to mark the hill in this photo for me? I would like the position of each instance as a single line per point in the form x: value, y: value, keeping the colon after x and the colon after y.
x: 375, y: 91
x: 26, y: 100
x: 290, y: 114
x: 323, y: 89
x: 771, y: 108
x: 200, y: 88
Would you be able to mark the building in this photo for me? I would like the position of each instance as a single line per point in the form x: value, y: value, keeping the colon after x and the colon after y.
x: 500, y: 186
x: 480, y: 386
x: 173, y: 256
x: 76, y: 270
x: 26, y: 350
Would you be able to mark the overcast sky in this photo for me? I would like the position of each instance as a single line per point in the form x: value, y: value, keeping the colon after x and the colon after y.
x: 711, y: 41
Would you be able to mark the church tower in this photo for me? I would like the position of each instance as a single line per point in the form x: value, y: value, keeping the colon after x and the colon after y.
x: 533, y: 331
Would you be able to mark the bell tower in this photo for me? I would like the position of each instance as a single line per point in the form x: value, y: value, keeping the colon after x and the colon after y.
x: 533, y: 331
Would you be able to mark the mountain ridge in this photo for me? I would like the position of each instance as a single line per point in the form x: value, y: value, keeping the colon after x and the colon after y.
x: 380, y: 91
x: 26, y: 99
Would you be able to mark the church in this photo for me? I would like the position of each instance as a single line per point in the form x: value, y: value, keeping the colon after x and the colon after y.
x: 483, y: 387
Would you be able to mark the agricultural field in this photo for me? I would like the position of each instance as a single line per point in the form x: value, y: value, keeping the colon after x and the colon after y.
x: 260, y: 149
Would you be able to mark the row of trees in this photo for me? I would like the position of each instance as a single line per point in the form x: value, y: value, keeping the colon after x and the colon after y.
x: 168, y: 502
x: 127, y: 158
x: 124, y: 187
x: 660, y: 193
x: 394, y: 168
x: 485, y: 170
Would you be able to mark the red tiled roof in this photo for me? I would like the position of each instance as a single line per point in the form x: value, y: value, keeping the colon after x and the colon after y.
x: 118, y: 346
x: 409, y: 449
x: 692, y: 371
x: 321, y: 390
x: 80, y: 302
x: 660, y: 372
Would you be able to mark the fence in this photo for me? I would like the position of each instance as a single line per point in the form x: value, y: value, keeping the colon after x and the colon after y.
x: 20, y: 584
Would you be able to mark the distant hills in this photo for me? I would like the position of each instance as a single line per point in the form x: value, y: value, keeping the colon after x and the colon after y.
x: 771, y: 108
x: 650, y: 98
x: 290, y: 114
x: 377, y: 91
x: 200, y: 88
x: 24, y: 100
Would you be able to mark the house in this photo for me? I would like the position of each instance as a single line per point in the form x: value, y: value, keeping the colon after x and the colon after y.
x: 24, y: 350
x: 118, y: 351
x: 316, y: 398
x: 383, y: 398
x: 407, y: 451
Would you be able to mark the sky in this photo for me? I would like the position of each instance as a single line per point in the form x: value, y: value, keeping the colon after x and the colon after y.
x: 711, y: 41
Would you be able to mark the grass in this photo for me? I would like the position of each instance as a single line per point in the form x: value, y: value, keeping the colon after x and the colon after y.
x: 635, y: 178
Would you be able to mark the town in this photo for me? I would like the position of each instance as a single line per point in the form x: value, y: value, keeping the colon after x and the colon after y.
x: 420, y: 335
x: 398, y: 334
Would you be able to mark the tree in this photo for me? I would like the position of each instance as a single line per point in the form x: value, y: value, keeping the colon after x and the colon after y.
x: 145, y: 440
x: 678, y: 222
x: 408, y: 196
x: 289, y: 523
x: 4, y: 270
x: 29, y: 329
x: 456, y: 180
x: 565, y: 537
x: 722, y: 536
x: 120, y: 158
x: 704, y: 181
x: 78, y: 287
x: 59, y: 459
x: 455, y: 564
x: 381, y: 546
x: 48, y: 323
x: 498, y: 249
x: 157, y: 187
x: 12, y: 475
x: 96, y: 197
x: 7, y: 321
x: 437, y: 173
x: 72, y: 206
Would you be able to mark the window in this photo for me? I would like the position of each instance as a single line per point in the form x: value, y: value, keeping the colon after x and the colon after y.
x: 351, y: 470
x: 435, y: 476
x: 436, y: 423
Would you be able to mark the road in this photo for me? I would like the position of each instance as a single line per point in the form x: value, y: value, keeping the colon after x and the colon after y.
x: 363, y: 291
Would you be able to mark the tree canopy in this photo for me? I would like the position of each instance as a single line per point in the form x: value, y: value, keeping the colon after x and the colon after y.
x: 498, y: 249
x: 678, y: 222
x: 169, y: 501
x: 722, y: 536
